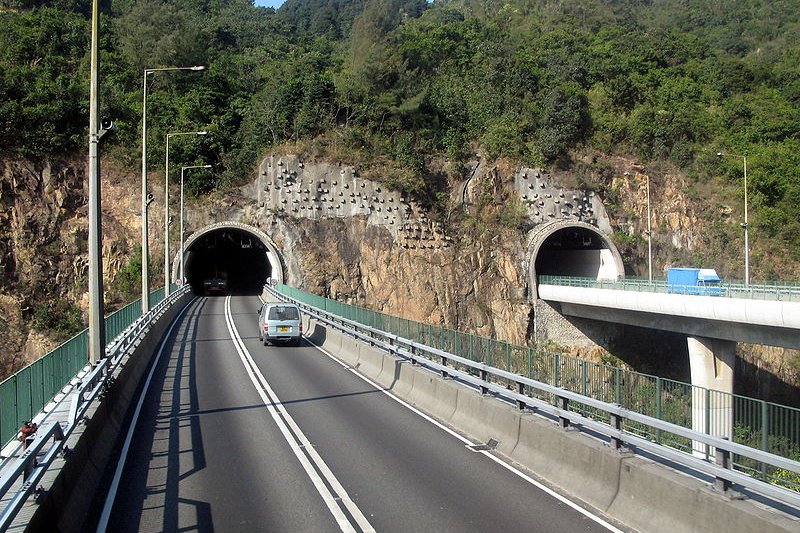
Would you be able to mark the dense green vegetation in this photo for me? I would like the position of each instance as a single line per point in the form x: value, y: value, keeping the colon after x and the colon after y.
x: 60, y: 318
x: 398, y: 82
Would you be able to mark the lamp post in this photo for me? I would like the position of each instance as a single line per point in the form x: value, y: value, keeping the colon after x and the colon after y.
x: 145, y: 251
x: 166, y: 208
x: 649, y: 236
x: 649, y: 231
x: 183, y: 169
x: 746, y: 224
x: 96, y: 322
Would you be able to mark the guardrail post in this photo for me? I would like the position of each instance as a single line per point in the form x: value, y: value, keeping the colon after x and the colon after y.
x: 616, y: 423
x: 563, y: 404
x: 707, y: 429
x: 722, y: 458
x: 521, y: 390
x: 483, y: 374
x: 413, y: 350
x: 658, y: 407
x: 764, y: 433
x: 444, y: 363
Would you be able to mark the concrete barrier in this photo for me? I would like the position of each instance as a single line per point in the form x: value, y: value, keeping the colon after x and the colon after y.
x: 68, y: 502
x: 637, y: 492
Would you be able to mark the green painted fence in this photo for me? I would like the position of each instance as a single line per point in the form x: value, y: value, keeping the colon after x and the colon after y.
x: 759, y: 424
x: 25, y: 393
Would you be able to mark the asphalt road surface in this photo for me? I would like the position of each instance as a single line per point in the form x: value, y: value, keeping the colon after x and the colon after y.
x: 235, y: 436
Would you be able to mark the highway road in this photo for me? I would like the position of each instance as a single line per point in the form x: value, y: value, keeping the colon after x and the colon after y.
x: 235, y: 436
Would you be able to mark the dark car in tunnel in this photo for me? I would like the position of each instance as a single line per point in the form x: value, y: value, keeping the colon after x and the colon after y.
x: 215, y: 287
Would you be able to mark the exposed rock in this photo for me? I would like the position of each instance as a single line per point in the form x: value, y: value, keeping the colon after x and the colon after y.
x: 43, y: 244
x: 12, y: 327
x: 466, y: 275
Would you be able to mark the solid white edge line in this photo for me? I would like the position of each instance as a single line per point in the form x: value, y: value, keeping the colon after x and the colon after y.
x: 112, y: 491
x: 466, y: 441
x: 284, y: 421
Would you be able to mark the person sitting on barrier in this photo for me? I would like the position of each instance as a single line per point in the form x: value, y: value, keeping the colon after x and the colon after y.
x: 26, y: 433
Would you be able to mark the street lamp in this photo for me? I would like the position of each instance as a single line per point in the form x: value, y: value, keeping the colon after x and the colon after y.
x: 183, y: 169
x: 145, y: 252
x: 649, y: 231
x: 746, y: 224
x: 649, y: 235
x: 96, y: 322
x: 166, y: 208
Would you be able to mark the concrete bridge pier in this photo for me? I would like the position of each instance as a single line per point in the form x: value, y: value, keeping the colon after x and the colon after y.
x: 711, y: 362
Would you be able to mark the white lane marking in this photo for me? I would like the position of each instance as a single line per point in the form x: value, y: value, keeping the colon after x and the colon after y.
x: 298, y: 442
x: 112, y: 491
x: 486, y: 453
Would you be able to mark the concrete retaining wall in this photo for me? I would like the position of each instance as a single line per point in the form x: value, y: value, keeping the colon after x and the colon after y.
x: 635, y: 491
x: 69, y: 499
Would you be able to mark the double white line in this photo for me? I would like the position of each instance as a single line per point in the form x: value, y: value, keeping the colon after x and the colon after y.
x: 329, y: 488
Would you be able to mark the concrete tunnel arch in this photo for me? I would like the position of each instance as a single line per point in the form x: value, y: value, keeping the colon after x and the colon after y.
x: 571, y: 248
x: 242, y: 254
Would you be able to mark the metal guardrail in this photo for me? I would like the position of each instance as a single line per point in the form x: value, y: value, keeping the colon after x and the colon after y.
x: 21, y: 475
x: 770, y: 427
x: 620, y: 424
x: 26, y: 392
x: 783, y: 292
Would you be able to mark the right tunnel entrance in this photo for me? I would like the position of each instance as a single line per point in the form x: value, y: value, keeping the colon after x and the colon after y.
x: 573, y: 249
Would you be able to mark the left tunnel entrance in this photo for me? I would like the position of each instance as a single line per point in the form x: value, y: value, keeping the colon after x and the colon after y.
x: 227, y: 261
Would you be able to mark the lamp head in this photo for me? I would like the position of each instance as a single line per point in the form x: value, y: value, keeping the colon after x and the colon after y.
x: 197, y: 67
x: 720, y: 154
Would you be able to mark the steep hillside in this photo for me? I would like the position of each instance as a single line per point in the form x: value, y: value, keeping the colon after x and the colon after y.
x: 466, y: 272
x: 414, y: 94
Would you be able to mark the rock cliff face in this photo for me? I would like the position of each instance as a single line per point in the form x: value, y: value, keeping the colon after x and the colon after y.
x: 465, y: 287
x: 42, y: 240
x: 465, y: 273
x: 43, y: 245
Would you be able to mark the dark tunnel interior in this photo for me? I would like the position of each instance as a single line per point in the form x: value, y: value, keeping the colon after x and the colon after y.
x: 227, y: 261
x: 570, y: 252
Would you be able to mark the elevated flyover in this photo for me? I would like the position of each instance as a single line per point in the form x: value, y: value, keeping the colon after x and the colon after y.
x: 736, y: 318
x: 713, y: 325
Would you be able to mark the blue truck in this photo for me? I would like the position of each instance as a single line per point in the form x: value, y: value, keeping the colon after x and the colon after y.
x: 701, y: 281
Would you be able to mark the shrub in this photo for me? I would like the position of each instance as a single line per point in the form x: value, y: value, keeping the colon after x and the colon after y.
x: 58, y: 317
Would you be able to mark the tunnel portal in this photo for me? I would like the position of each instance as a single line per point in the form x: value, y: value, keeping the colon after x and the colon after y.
x: 572, y: 249
x: 229, y: 258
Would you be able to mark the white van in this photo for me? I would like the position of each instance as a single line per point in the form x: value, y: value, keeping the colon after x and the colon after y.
x: 280, y: 322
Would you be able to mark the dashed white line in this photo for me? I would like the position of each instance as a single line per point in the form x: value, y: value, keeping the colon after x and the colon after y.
x: 298, y: 442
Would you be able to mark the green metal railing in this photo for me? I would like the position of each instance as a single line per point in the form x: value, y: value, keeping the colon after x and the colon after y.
x: 783, y: 291
x: 757, y: 423
x: 25, y: 393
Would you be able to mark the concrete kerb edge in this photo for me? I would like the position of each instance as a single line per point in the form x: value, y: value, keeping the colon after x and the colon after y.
x: 609, y: 480
x: 67, y: 502
x: 658, y: 499
x: 348, y: 351
x: 372, y: 363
